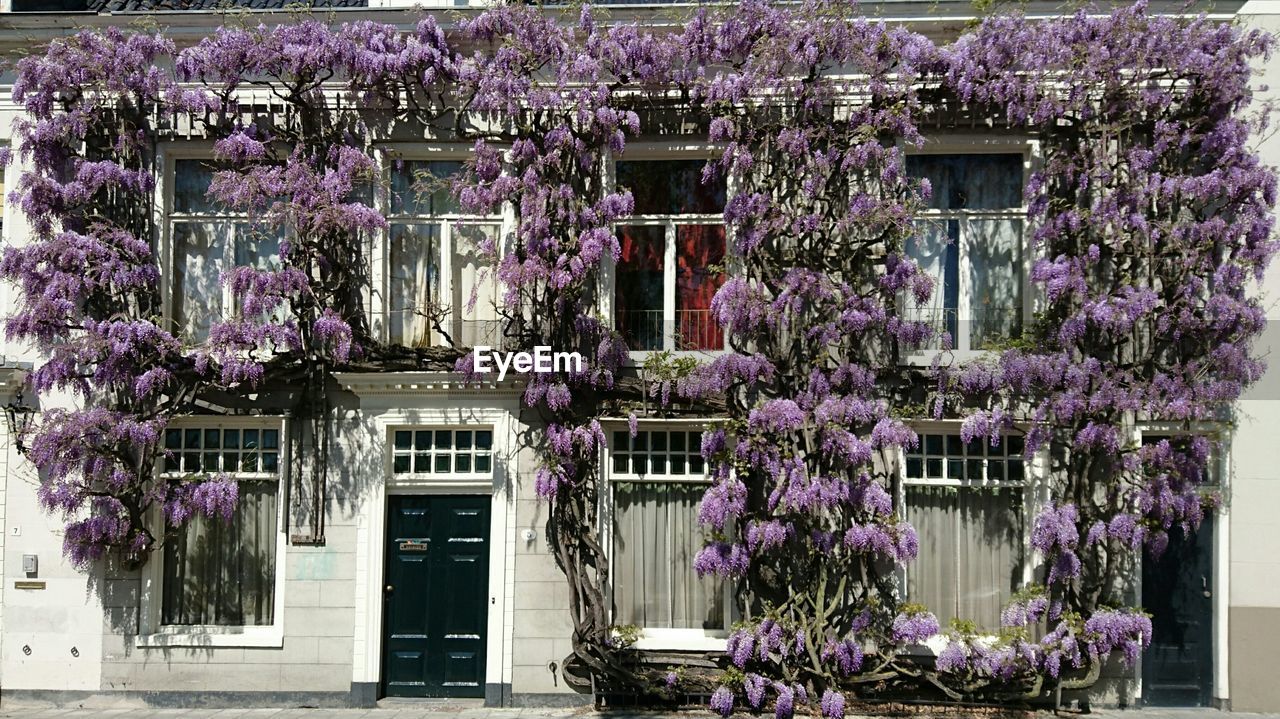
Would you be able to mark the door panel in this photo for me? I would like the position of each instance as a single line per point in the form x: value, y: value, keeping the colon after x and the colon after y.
x: 436, y: 596
x: 1177, y: 669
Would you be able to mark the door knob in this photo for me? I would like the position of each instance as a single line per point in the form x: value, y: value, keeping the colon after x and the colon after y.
x: 389, y: 588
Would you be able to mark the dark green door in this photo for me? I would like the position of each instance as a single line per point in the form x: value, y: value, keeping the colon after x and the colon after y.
x: 1177, y: 669
x: 436, y: 596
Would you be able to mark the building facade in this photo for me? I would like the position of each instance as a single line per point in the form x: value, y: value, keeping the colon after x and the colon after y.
x: 381, y: 602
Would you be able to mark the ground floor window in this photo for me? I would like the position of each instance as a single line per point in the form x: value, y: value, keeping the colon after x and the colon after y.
x: 966, y: 503
x: 219, y: 572
x: 657, y: 481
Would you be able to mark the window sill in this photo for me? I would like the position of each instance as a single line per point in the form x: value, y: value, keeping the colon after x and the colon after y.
x: 212, y: 636
x: 682, y: 640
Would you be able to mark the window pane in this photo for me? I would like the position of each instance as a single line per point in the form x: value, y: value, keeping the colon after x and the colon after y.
x: 199, y: 258
x: 475, y: 298
x: 421, y: 188
x: 462, y: 463
x: 995, y: 279
x: 223, y: 573
x: 671, y: 187
x: 414, y: 273
x: 699, y: 273
x: 191, y: 440
x: 191, y: 185
x: 251, y: 439
x: 403, y: 440
x: 482, y: 463
x: 970, y: 182
x: 656, y: 536
x: 400, y: 463
x: 935, y: 248
x: 638, y: 296
x: 259, y: 248
x: 484, y: 439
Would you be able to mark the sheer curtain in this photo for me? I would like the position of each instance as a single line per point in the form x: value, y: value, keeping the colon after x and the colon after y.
x: 935, y: 249
x: 475, y: 289
x: 223, y: 573
x: 970, y: 559
x: 656, y: 536
x: 995, y: 280
x: 199, y: 258
x: 414, y: 272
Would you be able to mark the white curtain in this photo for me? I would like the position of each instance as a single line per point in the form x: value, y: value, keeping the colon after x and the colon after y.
x: 935, y: 250
x: 223, y: 573
x: 199, y: 258
x: 475, y: 294
x: 970, y: 558
x: 656, y: 537
x: 995, y: 280
x: 414, y: 273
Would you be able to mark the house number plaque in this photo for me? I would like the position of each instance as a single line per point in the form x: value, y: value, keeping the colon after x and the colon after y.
x: 413, y: 545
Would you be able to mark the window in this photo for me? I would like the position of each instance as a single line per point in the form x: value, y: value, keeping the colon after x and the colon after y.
x: 672, y: 260
x: 223, y: 573
x: 442, y: 451
x: 970, y: 240
x: 439, y: 287
x: 965, y: 501
x: 208, y: 240
x: 657, y: 481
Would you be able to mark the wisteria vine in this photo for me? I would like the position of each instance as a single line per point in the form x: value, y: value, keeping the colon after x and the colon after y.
x: 1151, y: 216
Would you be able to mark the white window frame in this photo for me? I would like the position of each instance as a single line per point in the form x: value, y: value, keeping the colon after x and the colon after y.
x: 169, y: 155
x: 1034, y: 495
x: 978, y: 144
x: 658, y: 151
x: 659, y: 638
x: 152, y: 633
x: 468, y: 482
x: 381, y: 301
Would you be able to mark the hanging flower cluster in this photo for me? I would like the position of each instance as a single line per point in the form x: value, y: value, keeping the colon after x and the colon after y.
x: 1151, y: 215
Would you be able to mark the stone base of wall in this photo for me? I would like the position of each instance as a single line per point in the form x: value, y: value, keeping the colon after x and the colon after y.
x: 361, y: 695
x: 1255, y: 634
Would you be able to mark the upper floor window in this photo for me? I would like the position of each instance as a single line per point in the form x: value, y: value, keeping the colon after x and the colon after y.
x: 657, y: 479
x: 216, y: 572
x: 970, y: 240
x: 673, y: 253
x: 207, y: 240
x: 966, y: 503
x: 439, y: 286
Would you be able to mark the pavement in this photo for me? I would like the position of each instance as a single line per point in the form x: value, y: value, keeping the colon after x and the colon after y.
x: 438, y: 710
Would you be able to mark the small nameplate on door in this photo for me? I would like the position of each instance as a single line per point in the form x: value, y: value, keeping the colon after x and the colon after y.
x: 413, y: 545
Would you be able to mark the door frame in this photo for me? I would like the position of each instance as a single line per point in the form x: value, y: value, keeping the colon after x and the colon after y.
x: 1220, y: 696
x: 397, y: 406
